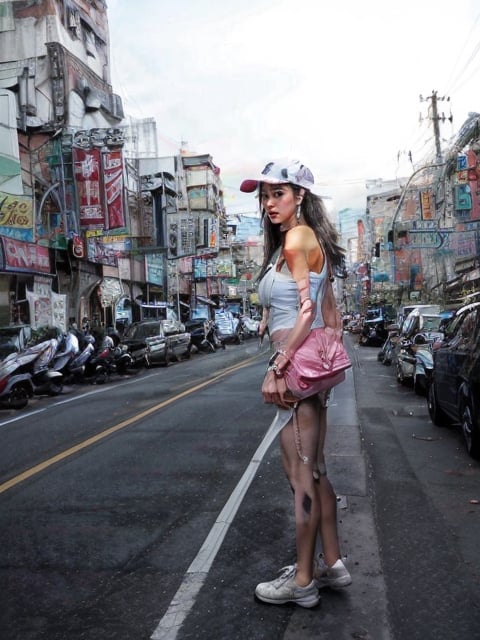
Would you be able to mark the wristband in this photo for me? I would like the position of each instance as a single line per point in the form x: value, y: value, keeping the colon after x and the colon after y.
x: 274, y: 367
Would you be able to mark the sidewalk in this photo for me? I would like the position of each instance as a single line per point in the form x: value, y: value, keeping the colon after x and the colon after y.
x: 359, y: 611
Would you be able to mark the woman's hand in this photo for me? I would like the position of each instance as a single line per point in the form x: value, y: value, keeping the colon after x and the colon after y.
x: 274, y: 390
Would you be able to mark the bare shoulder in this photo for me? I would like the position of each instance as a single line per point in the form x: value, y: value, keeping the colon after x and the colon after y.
x: 301, y: 240
x: 300, y: 237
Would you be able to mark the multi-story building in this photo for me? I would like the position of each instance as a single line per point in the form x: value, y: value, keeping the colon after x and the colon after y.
x: 435, y: 232
x: 184, y: 197
x: 92, y: 223
x: 64, y: 207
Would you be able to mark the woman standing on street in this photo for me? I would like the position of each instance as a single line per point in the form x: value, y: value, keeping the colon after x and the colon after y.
x: 300, y: 251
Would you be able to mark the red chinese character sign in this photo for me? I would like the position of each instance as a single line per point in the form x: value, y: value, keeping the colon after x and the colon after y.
x: 24, y: 256
x: 86, y: 163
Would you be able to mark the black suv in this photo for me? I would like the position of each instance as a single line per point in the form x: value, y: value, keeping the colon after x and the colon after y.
x: 454, y: 394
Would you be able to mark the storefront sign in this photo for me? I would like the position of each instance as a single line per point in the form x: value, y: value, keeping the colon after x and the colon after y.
x: 106, y: 249
x: 426, y: 204
x: 155, y: 268
x: 24, y: 256
x: 16, y: 216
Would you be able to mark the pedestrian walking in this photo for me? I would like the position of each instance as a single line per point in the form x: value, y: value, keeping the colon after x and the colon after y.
x: 300, y: 251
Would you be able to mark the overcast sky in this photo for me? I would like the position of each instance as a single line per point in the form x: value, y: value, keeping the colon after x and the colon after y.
x: 334, y: 83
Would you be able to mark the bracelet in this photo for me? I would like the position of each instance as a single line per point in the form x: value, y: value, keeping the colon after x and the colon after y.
x: 274, y: 367
x: 279, y: 352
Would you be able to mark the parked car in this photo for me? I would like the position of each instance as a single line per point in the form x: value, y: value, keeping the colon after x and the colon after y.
x: 152, y: 342
x: 405, y: 311
x: 373, y: 332
x: 14, y: 338
x: 454, y: 392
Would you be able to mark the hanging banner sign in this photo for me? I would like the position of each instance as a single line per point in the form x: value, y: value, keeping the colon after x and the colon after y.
x: 86, y: 165
x: 113, y: 179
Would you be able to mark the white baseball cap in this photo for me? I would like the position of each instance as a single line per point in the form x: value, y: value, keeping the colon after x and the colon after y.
x: 283, y: 171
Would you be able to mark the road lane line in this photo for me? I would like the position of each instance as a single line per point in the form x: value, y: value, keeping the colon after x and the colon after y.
x: 197, y: 572
x: 29, y: 473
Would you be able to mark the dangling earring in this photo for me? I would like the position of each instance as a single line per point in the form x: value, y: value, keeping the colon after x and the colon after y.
x: 298, y: 212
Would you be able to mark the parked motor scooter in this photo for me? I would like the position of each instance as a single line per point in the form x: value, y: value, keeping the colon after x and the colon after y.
x: 423, y: 365
x: 76, y: 367
x: 36, y: 361
x: 75, y: 351
x: 203, y: 335
x: 108, y: 360
x: 415, y: 363
x: 68, y: 348
x: 250, y: 326
x: 15, y: 388
x: 386, y: 354
x: 229, y: 327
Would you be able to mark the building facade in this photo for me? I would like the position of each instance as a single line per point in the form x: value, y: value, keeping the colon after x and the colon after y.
x: 92, y: 224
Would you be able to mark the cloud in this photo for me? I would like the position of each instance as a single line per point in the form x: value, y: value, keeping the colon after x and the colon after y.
x: 335, y: 84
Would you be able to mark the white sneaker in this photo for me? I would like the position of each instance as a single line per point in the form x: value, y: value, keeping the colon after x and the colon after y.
x: 284, y: 589
x: 334, y: 577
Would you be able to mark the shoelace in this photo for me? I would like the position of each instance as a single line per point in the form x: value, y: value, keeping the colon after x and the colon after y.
x: 286, y: 573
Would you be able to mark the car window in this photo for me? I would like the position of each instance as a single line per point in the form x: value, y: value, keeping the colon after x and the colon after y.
x: 151, y: 330
x: 462, y: 331
x: 431, y: 323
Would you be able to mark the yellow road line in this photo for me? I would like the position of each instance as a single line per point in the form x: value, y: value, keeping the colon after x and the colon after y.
x: 121, y: 425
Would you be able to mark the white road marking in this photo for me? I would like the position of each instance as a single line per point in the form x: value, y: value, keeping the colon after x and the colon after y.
x: 197, y: 572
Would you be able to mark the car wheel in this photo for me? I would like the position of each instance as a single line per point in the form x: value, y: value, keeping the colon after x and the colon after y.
x: 470, y: 429
x: 437, y: 416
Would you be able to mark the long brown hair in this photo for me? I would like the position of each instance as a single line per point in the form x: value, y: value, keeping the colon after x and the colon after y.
x: 315, y: 215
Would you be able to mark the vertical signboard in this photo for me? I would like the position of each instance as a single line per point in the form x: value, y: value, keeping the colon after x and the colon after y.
x: 113, y: 178
x: 86, y: 166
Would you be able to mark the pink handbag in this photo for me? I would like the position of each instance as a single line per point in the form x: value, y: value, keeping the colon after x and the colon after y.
x: 318, y: 364
x: 321, y: 360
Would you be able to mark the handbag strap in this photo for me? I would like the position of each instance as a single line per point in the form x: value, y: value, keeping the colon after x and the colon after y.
x: 296, y: 436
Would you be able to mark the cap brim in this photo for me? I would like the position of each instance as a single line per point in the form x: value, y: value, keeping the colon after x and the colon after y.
x: 248, y: 186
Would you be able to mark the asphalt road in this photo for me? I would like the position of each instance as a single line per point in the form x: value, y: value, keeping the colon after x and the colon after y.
x: 151, y: 507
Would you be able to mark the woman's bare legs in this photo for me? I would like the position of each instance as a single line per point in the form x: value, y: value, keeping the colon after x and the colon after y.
x: 305, y: 486
x: 328, y: 531
x: 315, y: 499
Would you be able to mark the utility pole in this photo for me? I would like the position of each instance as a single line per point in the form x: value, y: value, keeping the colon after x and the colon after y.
x: 436, y: 118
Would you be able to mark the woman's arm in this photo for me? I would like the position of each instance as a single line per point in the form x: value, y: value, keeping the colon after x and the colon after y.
x: 302, y: 254
x: 262, y: 327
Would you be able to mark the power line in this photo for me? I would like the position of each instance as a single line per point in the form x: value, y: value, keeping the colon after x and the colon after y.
x: 452, y: 81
